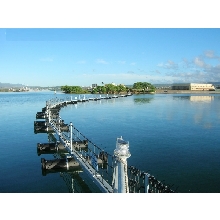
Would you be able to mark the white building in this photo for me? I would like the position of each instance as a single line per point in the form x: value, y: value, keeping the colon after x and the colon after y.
x: 193, y: 86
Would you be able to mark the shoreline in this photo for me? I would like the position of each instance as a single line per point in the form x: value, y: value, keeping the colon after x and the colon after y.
x: 158, y: 91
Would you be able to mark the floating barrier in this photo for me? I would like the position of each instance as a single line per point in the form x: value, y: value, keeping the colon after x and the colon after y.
x: 59, y: 165
x: 46, y: 148
x: 55, y: 109
x: 80, y: 145
x: 43, y: 129
x: 73, y: 102
x: 40, y: 123
x: 100, y: 163
x: 42, y: 115
x: 46, y: 123
x: 51, y: 148
x: 57, y: 147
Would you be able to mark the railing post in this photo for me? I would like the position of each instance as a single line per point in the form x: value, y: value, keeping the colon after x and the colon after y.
x: 48, y: 115
x: 146, y: 183
x: 120, y: 176
x: 71, y: 136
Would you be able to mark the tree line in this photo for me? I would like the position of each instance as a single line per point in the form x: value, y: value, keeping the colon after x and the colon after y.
x: 138, y: 87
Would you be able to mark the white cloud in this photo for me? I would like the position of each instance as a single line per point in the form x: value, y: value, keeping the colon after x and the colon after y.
x: 168, y: 65
x: 160, y: 64
x: 171, y: 65
x: 195, y: 76
x: 121, y: 62
x: 186, y: 63
x: 213, y: 70
x: 101, y: 61
x: 123, y: 78
x: 198, y: 69
x: 209, y: 54
x: 199, y: 62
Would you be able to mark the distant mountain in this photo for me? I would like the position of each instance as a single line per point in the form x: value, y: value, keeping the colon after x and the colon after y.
x: 10, y: 85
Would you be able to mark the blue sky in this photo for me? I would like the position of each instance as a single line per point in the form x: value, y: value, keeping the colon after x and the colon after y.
x: 83, y: 56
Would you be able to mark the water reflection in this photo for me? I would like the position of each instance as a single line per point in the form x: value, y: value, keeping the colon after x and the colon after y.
x: 190, y: 110
x: 142, y: 100
x: 75, y: 183
x: 69, y: 169
x: 193, y: 98
x: 181, y: 97
x: 178, y: 121
x: 201, y: 98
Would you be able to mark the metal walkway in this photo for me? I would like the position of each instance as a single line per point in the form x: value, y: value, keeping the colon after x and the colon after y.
x: 109, y: 172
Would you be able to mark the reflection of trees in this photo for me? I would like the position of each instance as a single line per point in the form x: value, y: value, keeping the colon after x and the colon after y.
x: 181, y: 97
x: 74, y: 179
x: 142, y: 100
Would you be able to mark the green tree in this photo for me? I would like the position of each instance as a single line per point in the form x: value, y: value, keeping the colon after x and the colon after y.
x: 143, y: 87
x: 99, y: 89
x: 73, y: 89
x: 110, y: 88
x: 66, y: 89
x: 121, y: 88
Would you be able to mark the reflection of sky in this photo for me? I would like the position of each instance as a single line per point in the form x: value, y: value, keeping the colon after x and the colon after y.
x: 183, y: 109
x: 171, y: 137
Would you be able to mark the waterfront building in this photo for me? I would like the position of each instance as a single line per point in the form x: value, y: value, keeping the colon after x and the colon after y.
x: 193, y: 86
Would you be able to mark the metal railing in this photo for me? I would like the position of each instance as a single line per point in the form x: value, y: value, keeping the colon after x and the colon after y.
x: 98, y: 163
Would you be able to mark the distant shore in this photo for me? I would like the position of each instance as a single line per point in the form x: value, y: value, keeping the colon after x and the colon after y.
x: 158, y: 91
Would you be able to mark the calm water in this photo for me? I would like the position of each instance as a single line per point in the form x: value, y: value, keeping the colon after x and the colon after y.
x: 174, y: 137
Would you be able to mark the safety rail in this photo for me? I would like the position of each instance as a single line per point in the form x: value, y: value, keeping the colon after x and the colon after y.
x: 98, y: 164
